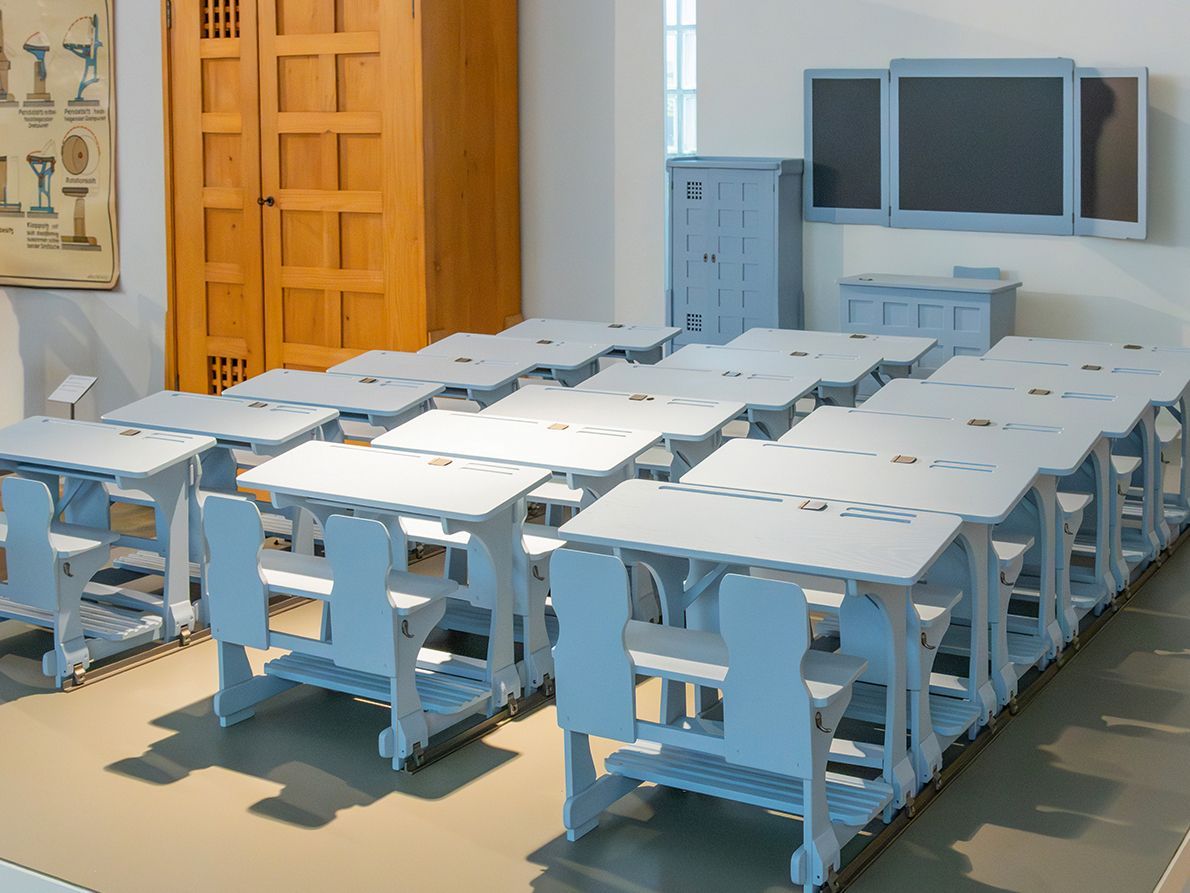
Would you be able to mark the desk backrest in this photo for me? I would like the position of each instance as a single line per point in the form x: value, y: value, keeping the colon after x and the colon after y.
x: 764, y: 624
x: 360, y: 553
x: 235, y: 591
x: 31, y: 560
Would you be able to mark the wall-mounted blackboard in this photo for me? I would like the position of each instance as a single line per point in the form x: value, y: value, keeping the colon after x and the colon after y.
x: 1010, y: 145
x: 847, y: 130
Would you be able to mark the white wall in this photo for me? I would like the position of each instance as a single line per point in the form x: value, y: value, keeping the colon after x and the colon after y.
x: 118, y: 335
x: 592, y: 159
x: 751, y: 55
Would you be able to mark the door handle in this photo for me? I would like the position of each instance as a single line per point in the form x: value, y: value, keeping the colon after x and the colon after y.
x: 270, y: 201
x: 712, y: 258
x: 704, y: 258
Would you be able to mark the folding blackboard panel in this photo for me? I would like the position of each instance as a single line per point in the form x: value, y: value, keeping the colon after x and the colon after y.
x: 846, y: 134
x: 1111, y: 152
x: 982, y: 144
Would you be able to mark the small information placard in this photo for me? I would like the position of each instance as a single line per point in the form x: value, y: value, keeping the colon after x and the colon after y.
x: 71, y: 390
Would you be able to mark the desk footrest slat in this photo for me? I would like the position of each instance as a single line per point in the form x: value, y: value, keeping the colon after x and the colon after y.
x: 99, y: 621
x: 851, y: 801
x: 950, y: 716
x: 439, y: 692
x: 467, y: 618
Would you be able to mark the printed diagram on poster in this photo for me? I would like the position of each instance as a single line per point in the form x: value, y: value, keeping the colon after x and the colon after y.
x: 57, y: 140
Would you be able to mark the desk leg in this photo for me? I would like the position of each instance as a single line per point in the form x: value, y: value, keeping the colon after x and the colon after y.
x: 179, y: 539
x: 837, y: 396
x: 490, y: 570
x: 1057, y: 623
x: 1179, y: 413
x: 769, y: 424
x: 879, y: 637
x: 669, y: 575
x: 688, y: 453
x: 1110, y: 567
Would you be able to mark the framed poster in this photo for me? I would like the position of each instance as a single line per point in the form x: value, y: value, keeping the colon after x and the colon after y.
x: 57, y: 145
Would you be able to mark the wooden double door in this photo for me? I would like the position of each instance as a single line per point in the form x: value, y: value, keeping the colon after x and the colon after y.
x: 331, y: 192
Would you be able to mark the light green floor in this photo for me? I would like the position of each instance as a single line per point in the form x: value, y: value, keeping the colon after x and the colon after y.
x: 130, y: 785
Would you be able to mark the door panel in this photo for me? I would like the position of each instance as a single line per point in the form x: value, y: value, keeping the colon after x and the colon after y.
x: 692, y: 231
x: 216, y: 175
x: 324, y: 75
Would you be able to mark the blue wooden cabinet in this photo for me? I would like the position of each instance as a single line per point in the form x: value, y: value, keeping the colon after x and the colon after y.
x: 966, y: 316
x: 735, y: 246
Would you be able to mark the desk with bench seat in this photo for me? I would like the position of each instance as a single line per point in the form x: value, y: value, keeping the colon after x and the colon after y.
x: 462, y: 378
x: 485, y: 500
x: 769, y: 741
x: 770, y: 400
x: 1045, y: 619
x: 691, y: 428
x: 898, y: 354
x: 245, y: 431
x: 982, y: 494
x: 635, y: 343
x: 50, y: 563
x: 376, y: 402
x: 839, y: 372
x: 588, y: 459
x: 1170, y: 390
x: 566, y: 362
x: 1146, y: 531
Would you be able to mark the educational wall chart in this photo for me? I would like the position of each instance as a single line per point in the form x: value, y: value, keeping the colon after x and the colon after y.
x: 57, y: 140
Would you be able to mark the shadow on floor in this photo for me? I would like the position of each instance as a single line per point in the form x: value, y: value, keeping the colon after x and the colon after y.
x: 320, y: 745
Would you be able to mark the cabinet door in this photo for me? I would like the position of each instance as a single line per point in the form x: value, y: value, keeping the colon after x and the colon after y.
x: 341, y: 162
x: 692, y: 235
x: 216, y: 175
x: 744, y: 255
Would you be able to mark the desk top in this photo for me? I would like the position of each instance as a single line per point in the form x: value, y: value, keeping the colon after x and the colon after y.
x: 840, y: 540
x: 95, y: 448
x: 394, y: 482
x: 931, y: 283
x: 541, y: 352
x: 677, y: 418
x: 756, y: 390
x: 1133, y: 390
x: 476, y: 374
x: 1174, y: 362
x: 1102, y: 415
x: 1046, y: 449
x: 227, y: 419
x: 903, y: 350
x: 565, y: 449
x: 983, y: 492
x: 349, y: 394
x: 836, y: 368
x: 621, y: 337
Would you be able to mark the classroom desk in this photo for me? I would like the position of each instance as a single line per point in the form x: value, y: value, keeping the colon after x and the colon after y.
x: 1017, y: 642
x: 770, y: 400
x: 264, y: 429
x: 839, y: 373
x: 898, y: 353
x: 638, y: 344
x: 566, y: 362
x: 589, y: 459
x: 1093, y: 418
x: 483, y: 499
x: 85, y: 456
x: 983, y: 494
x: 691, y: 428
x: 379, y: 402
x: 1129, y: 386
x: 481, y: 381
x: 714, y: 531
x: 1171, y: 392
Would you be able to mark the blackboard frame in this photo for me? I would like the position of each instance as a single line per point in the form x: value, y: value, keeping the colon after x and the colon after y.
x: 1056, y: 224
x: 825, y: 214
x: 1100, y: 226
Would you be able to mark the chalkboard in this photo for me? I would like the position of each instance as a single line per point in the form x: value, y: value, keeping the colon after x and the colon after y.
x: 1108, y: 124
x: 982, y: 145
x: 846, y: 144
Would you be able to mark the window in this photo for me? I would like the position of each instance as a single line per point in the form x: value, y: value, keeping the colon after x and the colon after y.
x: 681, y: 65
